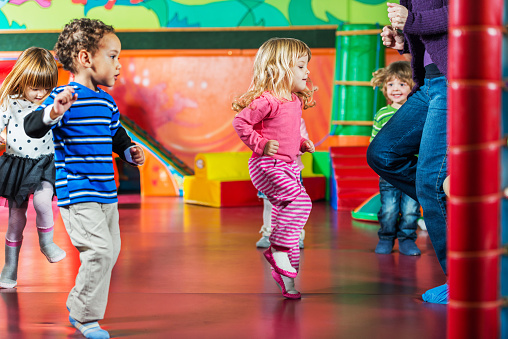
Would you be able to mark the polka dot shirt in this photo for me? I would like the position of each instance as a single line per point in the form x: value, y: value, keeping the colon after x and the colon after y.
x: 18, y: 143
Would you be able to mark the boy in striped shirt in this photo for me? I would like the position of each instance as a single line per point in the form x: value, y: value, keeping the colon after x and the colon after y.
x: 86, y: 130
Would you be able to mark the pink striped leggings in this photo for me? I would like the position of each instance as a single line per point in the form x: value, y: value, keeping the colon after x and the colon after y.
x: 280, y: 182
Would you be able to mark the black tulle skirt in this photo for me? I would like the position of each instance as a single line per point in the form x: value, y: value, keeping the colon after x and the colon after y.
x: 20, y: 177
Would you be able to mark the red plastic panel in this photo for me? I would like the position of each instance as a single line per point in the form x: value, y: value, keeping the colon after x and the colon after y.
x: 473, y: 12
x: 469, y: 60
x: 474, y: 73
x: 477, y: 271
x: 480, y: 163
x: 239, y: 193
x: 484, y: 101
x: 474, y: 226
x: 473, y: 323
x: 243, y: 193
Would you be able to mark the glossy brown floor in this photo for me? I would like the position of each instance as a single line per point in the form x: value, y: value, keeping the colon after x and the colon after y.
x: 193, y: 272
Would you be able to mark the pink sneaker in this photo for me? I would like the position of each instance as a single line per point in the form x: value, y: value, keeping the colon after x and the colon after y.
x: 293, y: 294
x: 269, y: 257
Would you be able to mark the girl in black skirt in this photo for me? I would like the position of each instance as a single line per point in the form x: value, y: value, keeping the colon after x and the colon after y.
x: 27, y: 166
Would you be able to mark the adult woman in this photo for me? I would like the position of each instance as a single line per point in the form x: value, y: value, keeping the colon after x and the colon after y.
x: 419, y: 27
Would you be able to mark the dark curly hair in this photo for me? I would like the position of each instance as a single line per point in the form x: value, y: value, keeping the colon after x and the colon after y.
x: 79, y: 34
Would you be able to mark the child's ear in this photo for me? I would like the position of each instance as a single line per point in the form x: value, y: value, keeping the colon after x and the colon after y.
x: 85, y: 58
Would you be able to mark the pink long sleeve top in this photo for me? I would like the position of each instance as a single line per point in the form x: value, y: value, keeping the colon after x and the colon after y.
x: 268, y: 118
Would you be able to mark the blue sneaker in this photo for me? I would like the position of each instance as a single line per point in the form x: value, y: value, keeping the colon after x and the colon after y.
x: 408, y: 247
x: 384, y: 246
x: 437, y: 295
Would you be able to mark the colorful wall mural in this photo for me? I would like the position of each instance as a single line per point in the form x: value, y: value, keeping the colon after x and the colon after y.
x: 192, y: 113
x: 136, y: 14
x: 182, y: 98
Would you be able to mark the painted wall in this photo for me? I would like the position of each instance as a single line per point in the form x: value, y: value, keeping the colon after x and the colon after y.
x: 185, y: 101
x: 136, y: 14
x: 183, y: 98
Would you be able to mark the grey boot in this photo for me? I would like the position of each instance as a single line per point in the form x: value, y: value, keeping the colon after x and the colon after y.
x: 266, y: 229
x: 300, y: 240
x: 9, y: 275
x: 52, y: 252
x: 264, y: 242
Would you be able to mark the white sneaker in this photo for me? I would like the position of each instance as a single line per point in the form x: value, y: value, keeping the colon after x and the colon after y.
x: 300, y: 241
x: 421, y: 224
x: 264, y: 242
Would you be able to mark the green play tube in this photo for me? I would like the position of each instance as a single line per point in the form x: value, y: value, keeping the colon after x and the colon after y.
x: 357, y: 57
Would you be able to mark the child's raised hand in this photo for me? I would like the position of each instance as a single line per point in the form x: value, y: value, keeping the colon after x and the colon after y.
x: 308, y: 146
x: 137, y: 155
x: 271, y: 147
x: 63, y: 101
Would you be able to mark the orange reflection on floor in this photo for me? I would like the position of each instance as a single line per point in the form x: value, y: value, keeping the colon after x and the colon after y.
x: 189, y: 271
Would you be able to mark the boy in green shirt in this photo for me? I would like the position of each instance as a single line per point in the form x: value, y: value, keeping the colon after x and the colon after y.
x: 399, y: 213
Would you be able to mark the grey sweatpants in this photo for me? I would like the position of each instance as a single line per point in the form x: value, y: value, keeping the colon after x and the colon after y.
x: 95, y: 232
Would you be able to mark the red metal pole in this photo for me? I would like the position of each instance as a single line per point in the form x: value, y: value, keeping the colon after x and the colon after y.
x: 474, y: 94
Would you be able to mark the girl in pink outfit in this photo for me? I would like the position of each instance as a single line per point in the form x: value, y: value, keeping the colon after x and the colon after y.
x: 268, y: 122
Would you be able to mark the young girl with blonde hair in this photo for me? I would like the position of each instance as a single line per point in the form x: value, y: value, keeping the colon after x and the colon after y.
x: 268, y: 122
x: 27, y: 166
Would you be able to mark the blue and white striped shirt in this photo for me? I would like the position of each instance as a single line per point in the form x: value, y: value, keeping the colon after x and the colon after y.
x: 83, y: 141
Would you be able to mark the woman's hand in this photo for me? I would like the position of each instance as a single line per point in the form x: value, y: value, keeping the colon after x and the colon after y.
x: 392, y: 38
x: 397, y: 15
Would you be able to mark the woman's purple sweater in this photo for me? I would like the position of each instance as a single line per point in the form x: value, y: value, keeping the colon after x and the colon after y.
x: 426, y: 28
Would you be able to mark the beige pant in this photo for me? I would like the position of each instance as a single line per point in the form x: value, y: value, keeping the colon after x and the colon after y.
x: 94, y: 231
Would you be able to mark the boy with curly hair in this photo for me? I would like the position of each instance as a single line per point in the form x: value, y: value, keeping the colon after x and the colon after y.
x: 86, y: 130
x: 399, y: 213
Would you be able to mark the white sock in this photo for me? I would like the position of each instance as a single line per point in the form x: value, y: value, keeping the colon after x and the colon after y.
x: 267, y: 214
x: 282, y: 260
x: 289, y: 283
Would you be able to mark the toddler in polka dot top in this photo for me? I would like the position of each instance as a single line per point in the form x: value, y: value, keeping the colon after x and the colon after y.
x: 27, y: 165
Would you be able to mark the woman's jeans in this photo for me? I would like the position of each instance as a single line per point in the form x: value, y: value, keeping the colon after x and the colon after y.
x: 393, y: 203
x: 418, y: 127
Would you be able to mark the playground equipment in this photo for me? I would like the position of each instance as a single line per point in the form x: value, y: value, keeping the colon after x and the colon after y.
x: 474, y: 256
x: 162, y: 174
x: 358, y: 55
x: 223, y: 180
x: 352, y: 180
x: 367, y: 210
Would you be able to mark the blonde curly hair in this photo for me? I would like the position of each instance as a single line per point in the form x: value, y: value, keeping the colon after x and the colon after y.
x: 272, y: 72
x: 396, y: 70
